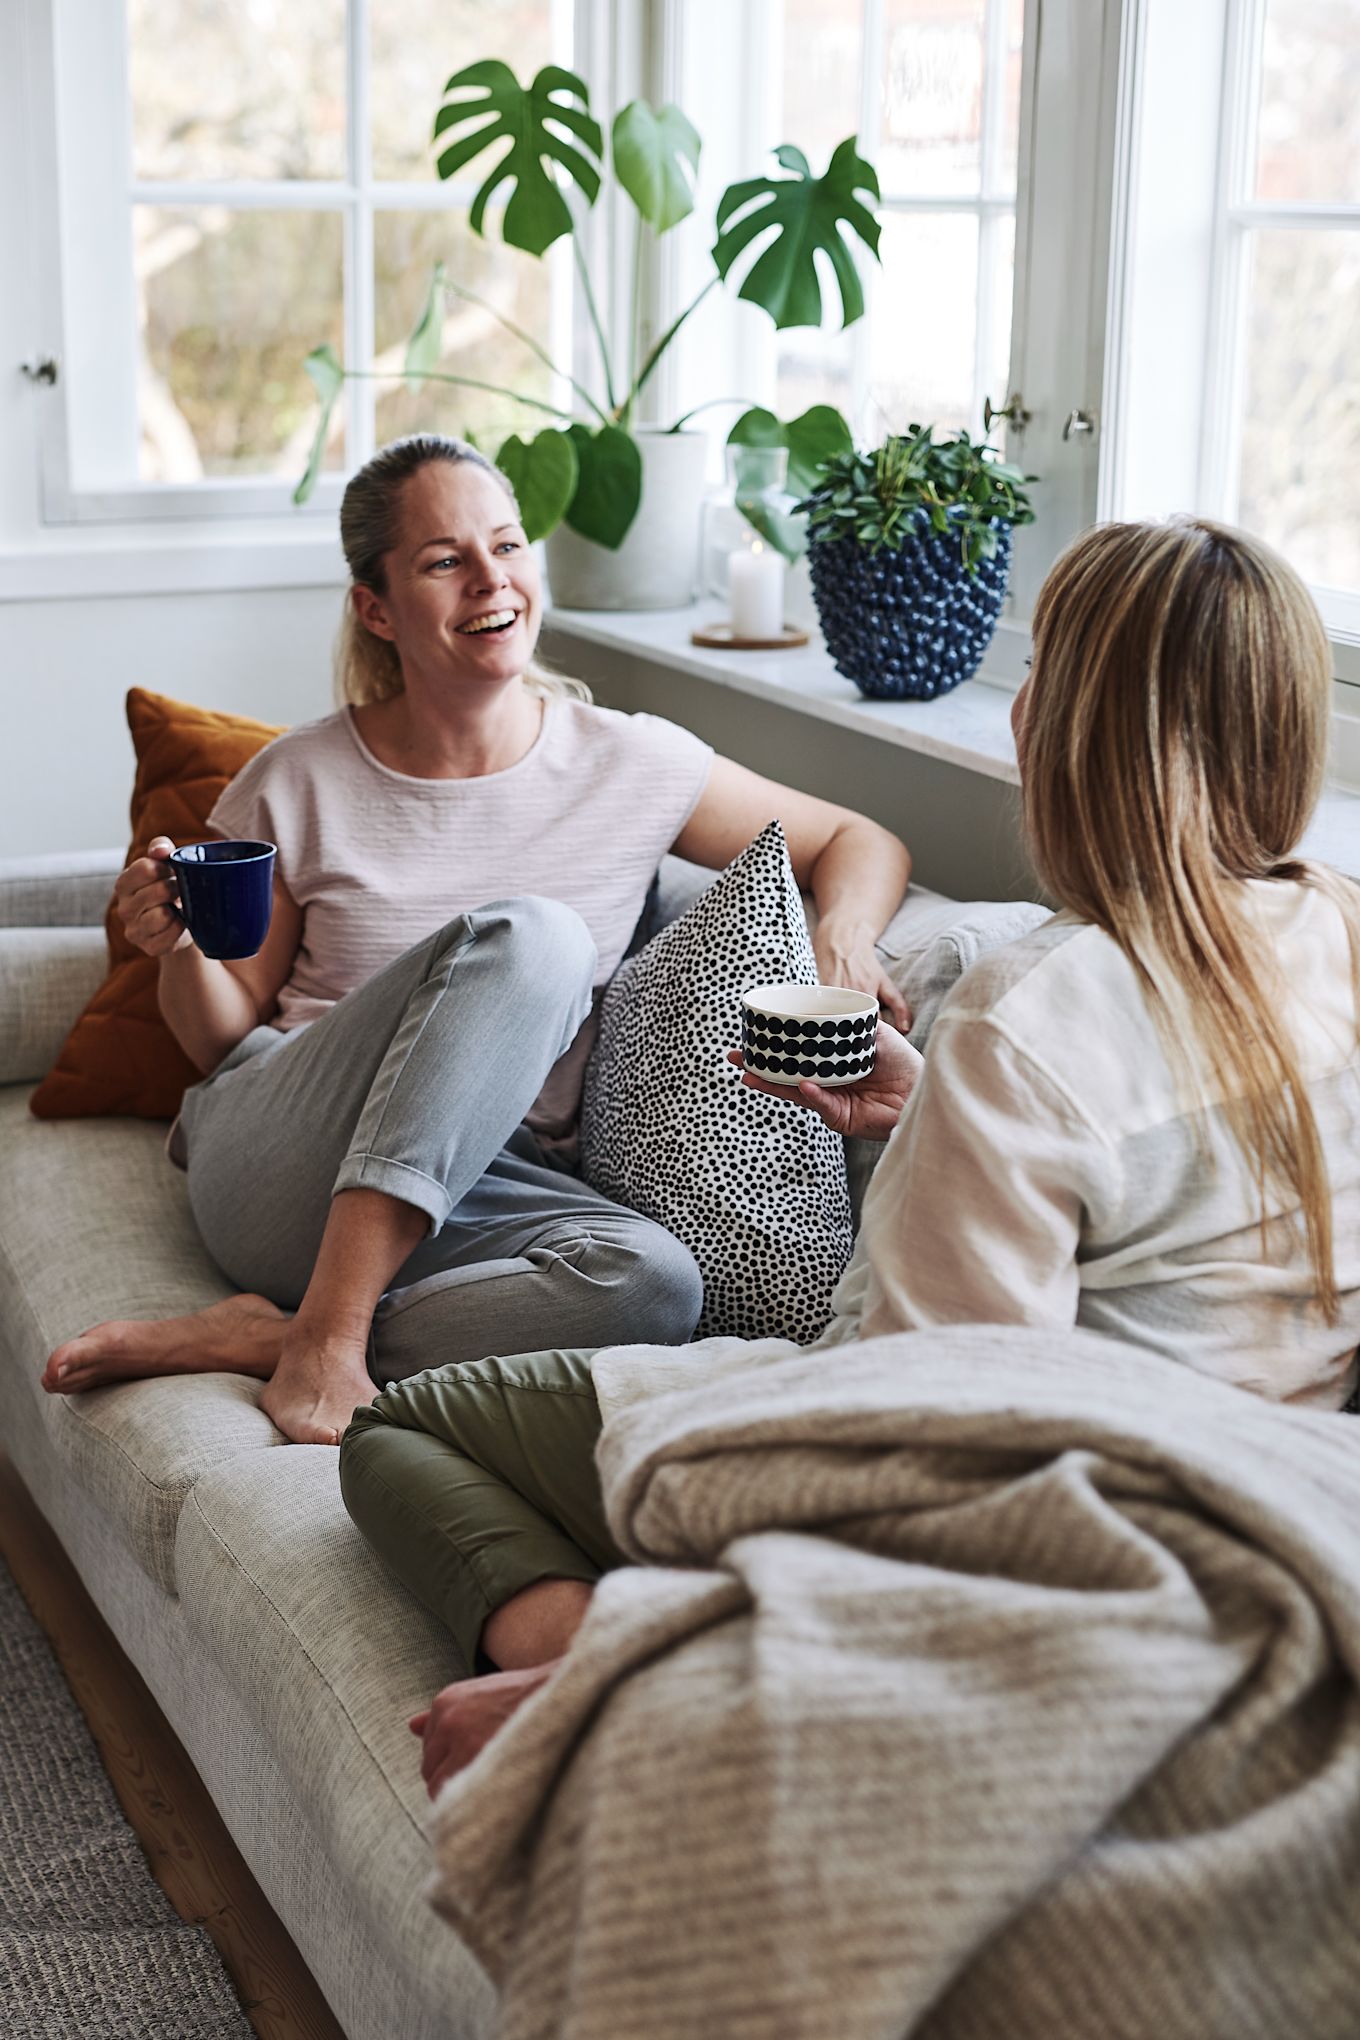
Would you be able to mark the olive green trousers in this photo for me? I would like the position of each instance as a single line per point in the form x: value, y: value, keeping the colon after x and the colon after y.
x: 476, y: 1480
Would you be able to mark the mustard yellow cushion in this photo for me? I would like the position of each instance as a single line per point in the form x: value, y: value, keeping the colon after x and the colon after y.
x: 120, y: 1057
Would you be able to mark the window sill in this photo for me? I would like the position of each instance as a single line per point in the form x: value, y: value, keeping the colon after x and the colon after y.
x: 969, y: 727
x: 82, y: 563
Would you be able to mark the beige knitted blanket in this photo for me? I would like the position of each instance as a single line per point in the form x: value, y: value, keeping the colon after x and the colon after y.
x: 978, y: 1683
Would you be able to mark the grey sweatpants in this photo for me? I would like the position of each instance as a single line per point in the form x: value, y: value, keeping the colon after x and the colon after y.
x: 416, y: 1084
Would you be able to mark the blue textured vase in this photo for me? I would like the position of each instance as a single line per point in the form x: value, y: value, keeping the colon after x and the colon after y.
x: 908, y: 623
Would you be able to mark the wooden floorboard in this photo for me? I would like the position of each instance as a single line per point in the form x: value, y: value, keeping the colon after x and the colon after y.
x: 187, y: 1844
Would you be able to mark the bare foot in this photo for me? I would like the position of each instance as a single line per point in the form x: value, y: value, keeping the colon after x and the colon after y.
x: 318, y: 1384
x: 460, y: 1722
x: 242, y: 1335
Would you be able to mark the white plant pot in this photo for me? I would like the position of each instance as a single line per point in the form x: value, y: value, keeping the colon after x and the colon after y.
x: 657, y: 565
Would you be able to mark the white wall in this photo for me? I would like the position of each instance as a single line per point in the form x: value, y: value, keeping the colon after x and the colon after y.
x: 67, y: 660
x: 66, y: 760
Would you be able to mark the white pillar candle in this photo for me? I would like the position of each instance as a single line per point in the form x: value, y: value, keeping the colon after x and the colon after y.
x: 755, y: 591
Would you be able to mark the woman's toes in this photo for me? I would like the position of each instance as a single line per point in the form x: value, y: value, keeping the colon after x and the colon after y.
x: 60, y: 1367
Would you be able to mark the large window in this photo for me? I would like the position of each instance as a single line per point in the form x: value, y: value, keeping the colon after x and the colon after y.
x: 1283, y: 453
x: 1235, y: 378
x: 1140, y: 218
x: 932, y: 88
x: 275, y: 189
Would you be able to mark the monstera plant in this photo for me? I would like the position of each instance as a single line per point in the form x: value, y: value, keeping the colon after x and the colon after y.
x: 585, y: 468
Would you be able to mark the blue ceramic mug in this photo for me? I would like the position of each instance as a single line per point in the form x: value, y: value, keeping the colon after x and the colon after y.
x: 226, y: 895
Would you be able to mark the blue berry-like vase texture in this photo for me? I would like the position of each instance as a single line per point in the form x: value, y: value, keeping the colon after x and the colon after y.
x: 910, y: 622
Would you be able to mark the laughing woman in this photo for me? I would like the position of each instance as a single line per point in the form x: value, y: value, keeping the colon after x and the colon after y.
x: 379, y: 1154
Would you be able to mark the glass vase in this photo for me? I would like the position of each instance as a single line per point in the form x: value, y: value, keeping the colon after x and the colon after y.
x: 754, y: 497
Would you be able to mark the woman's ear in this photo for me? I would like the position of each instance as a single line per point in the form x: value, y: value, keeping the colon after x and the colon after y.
x: 371, y: 612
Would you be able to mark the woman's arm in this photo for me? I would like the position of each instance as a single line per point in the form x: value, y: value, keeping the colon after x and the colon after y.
x: 207, y: 1005
x: 855, y: 871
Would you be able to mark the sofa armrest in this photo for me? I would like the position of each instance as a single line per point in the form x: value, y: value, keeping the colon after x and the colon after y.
x: 47, y: 976
x: 66, y: 889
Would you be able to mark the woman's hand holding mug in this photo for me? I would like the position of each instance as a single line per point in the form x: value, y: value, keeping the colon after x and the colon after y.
x: 218, y: 895
x: 868, y: 1109
x: 145, y: 897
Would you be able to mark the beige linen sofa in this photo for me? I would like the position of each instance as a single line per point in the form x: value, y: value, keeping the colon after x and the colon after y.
x: 286, y: 1658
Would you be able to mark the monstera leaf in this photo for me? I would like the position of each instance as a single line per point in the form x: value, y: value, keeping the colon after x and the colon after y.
x: 543, y: 473
x: 609, y: 487
x: 327, y: 375
x: 536, y: 214
x: 807, y: 214
x: 656, y: 157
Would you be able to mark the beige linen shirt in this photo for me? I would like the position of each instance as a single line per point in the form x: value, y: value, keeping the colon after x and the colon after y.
x: 1051, y: 1169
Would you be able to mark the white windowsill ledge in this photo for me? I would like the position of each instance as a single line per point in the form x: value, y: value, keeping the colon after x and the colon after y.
x: 969, y: 727
x: 89, y: 562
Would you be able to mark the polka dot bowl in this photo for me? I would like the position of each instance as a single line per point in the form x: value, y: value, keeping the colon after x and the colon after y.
x: 825, y: 1032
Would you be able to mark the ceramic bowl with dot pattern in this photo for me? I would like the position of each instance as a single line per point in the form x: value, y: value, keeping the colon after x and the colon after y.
x: 826, y: 1032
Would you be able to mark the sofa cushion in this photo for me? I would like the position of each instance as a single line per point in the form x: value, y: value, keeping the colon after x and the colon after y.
x: 927, y: 962
x: 94, y: 1225
x: 46, y: 975
x: 120, y: 1057
x: 754, y: 1189
x: 302, y: 1614
x: 57, y: 889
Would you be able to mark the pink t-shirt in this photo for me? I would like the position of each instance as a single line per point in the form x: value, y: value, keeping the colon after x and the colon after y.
x: 377, y: 860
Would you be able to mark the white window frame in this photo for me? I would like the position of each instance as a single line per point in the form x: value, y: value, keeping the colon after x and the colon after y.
x: 77, y: 72
x: 1068, y: 98
x: 1181, y: 227
x: 990, y: 205
x: 1238, y: 214
x: 1097, y: 213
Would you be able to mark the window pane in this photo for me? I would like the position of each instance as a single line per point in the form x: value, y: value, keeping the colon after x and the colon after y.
x: 816, y: 368
x: 1300, y: 475
x: 1308, y: 137
x: 255, y: 90
x: 418, y: 44
x: 1005, y: 170
x: 406, y: 246
x: 924, y: 322
x: 934, y: 56
x: 821, y: 75
x: 230, y: 304
x: 997, y: 343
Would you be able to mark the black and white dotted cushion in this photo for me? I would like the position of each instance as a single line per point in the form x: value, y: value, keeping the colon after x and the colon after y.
x: 754, y: 1188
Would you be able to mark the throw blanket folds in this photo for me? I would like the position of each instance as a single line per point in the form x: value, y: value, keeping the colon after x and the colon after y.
x: 979, y: 1682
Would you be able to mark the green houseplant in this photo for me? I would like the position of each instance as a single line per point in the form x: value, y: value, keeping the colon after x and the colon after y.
x: 909, y: 549
x: 583, y: 473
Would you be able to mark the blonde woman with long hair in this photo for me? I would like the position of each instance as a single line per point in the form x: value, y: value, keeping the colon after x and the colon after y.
x: 379, y: 1155
x: 1143, y: 1118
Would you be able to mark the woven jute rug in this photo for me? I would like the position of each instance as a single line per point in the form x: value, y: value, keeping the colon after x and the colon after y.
x: 90, y: 1946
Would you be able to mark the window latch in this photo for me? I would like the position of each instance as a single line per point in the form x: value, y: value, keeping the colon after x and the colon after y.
x: 1013, y: 411
x: 1080, y: 424
x: 44, y: 371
